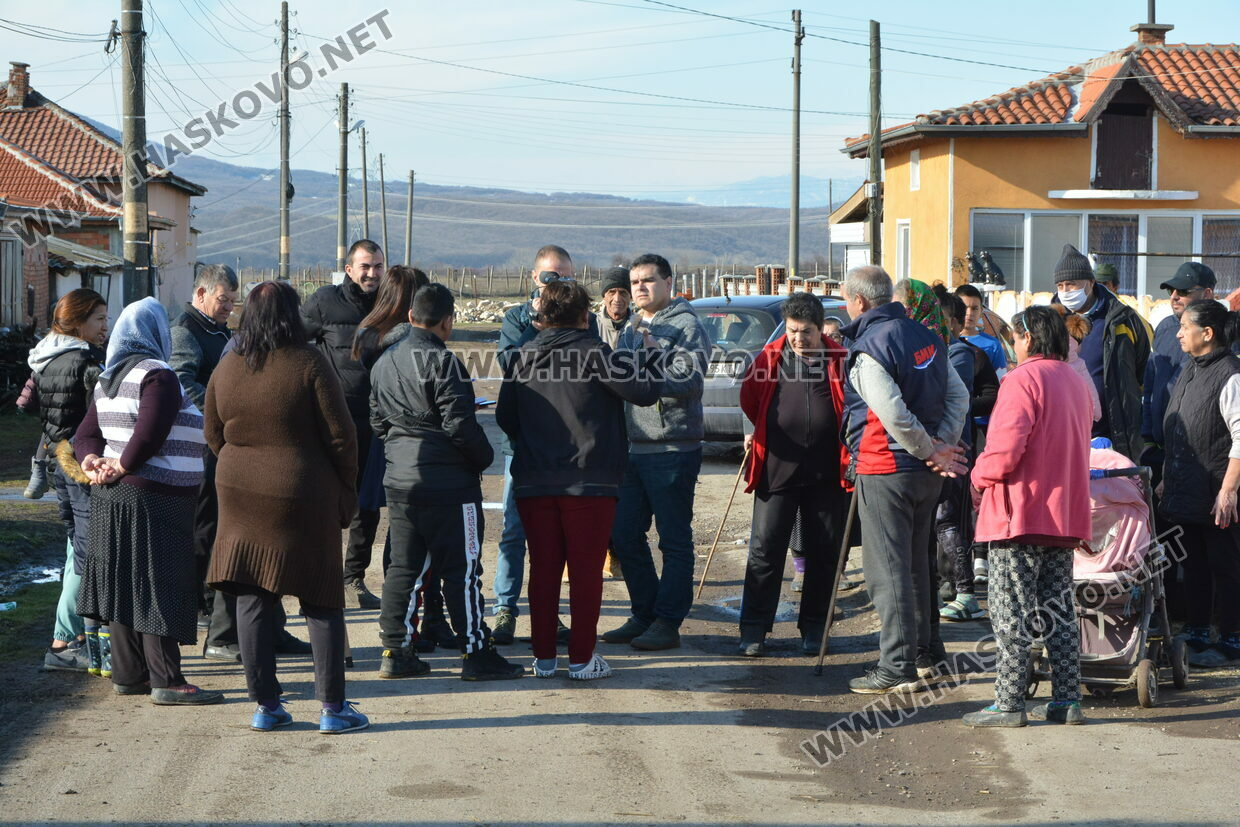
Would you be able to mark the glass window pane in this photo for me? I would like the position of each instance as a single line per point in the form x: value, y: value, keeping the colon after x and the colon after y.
x: 1048, y: 234
x: 1003, y: 235
x: 1222, y: 235
x: 1166, y: 234
x: 1110, y: 234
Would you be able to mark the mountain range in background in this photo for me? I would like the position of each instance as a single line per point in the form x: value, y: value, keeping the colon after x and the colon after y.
x: 769, y: 191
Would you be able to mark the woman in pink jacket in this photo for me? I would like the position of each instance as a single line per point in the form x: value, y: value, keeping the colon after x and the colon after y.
x: 1034, y: 479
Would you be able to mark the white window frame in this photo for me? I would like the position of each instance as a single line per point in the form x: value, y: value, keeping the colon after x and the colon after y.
x: 1142, y: 288
x: 914, y: 170
x: 904, y: 251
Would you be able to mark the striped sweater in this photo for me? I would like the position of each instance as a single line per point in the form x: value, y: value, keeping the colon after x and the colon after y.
x: 177, y: 463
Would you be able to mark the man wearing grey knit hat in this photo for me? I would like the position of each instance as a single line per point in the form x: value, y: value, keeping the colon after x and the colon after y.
x: 1115, y: 349
x: 616, y: 310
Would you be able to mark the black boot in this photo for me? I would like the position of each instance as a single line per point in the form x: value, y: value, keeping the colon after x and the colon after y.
x: 489, y: 665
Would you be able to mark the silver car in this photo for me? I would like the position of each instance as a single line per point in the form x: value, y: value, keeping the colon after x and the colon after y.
x: 739, y: 327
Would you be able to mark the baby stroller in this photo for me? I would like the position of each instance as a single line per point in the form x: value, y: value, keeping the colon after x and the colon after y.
x: 1121, y: 607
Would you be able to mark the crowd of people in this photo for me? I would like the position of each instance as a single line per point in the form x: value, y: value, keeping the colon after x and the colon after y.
x: 205, y: 472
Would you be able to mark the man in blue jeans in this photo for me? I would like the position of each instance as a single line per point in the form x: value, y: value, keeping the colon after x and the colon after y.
x: 665, y: 456
x: 521, y: 325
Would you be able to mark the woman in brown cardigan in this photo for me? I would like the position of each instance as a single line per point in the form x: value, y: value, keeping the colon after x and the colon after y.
x: 276, y: 417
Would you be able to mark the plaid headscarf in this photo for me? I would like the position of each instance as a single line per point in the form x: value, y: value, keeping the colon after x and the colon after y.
x: 923, y: 306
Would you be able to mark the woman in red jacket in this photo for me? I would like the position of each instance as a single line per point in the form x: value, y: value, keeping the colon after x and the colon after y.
x: 794, y: 396
x: 1034, y: 479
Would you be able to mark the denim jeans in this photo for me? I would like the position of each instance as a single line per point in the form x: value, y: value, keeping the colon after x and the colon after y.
x: 68, y: 624
x: 658, y: 487
x: 510, y: 564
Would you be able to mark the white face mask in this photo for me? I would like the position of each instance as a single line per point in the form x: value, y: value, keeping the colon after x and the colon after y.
x: 1072, y: 299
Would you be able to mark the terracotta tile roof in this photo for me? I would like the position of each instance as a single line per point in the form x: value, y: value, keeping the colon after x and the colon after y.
x: 28, y: 181
x: 70, y: 143
x: 1194, y: 85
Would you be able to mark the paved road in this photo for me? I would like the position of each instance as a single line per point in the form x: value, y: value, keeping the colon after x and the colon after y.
x: 694, y: 736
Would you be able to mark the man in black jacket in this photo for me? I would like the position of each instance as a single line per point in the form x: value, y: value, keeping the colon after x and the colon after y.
x: 422, y: 406
x: 331, y: 317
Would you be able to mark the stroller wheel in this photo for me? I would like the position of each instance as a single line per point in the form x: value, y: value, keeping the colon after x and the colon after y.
x: 1179, y: 664
x: 1147, y: 683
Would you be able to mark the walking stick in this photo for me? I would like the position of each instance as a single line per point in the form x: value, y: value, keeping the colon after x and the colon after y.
x: 715, y: 544
x: 839, y: 574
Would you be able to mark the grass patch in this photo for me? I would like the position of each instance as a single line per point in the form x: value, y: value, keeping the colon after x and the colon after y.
x: 29, y: 532
x: 19, y: 434
x: 26, y: 630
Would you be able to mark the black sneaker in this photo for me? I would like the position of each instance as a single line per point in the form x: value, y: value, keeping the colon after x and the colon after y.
x: 290, y: 645
x: 504, y: 628
x: 489, y: 665
x: 355, y: 591
x: 625, y: 634
x: 439, y: 632
x: 811, y: 641
x: 402, y: 663
x: 877, y: 682
x: 753, y: 648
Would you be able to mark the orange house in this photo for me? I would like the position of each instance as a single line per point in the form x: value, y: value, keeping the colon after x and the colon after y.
x: 1133, y: 157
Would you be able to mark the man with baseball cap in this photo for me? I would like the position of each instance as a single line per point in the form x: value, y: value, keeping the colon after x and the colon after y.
x: 1115, y: 350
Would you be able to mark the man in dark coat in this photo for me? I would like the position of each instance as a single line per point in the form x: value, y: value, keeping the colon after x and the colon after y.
x: 1115, y: 351
x: 422, y: 406
x: 331, y: 317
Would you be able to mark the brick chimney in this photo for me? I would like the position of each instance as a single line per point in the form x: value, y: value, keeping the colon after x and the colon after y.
x: 19, y: 85
x: 1152, y: 34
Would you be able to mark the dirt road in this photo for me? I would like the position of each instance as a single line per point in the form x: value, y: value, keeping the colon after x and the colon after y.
x: 693, y: 736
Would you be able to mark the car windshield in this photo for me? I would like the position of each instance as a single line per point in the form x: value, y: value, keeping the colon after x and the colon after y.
x: 732, y: 330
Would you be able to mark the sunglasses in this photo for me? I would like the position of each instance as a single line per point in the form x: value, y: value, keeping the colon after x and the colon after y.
x: 549, y: 276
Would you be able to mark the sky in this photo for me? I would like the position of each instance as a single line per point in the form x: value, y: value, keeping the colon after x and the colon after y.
x: 614, y: 96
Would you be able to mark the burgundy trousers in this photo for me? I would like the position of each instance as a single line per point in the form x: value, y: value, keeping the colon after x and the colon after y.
x: 572, y: 531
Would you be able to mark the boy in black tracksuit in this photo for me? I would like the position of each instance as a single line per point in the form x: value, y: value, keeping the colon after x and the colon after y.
x: 422, y: 406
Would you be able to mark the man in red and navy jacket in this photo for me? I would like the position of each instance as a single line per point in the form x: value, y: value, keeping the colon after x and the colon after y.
x: 794, y: 396
x: 905, y: 409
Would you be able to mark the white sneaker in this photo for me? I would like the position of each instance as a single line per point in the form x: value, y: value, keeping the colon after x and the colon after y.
x: 981, y: 571
x: 545, y: 673
x: 594, y: 670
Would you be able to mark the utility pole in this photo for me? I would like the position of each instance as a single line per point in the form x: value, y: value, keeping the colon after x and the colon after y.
x: 794, y: 212
x: 409, y: 224
x: 342, y: 182
x: 137, y: 235
x: 383, y: 206
x: 285, y: 186
x: 876, y: 148
x: 830, y: 209
x: 365, y: 190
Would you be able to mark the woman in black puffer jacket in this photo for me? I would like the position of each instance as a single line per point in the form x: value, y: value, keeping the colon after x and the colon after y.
x: 65, y: 365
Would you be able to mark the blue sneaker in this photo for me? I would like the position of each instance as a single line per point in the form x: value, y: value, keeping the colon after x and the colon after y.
x: 347, y: 719
x: 266, y: 720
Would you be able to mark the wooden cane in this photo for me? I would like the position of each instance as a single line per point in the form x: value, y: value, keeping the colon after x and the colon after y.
x: 839, y: 575
x: 714, y: 545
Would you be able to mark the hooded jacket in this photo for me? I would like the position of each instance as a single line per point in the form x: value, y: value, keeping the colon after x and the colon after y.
x: 422, y: 407
x: 331, y: 317
x: 1125, y: 351
x: 562, y: 407
x: 675, y: 422
x: 64, y: 370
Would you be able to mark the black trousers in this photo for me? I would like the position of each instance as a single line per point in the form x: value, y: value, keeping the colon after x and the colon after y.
x: 257, y: 624
x: 224, y: 626
x: 822, y: 522
x: 448, y: 540
x: 953, y: 526
x: 1212, y: 576
x: 206, y: 520
x: 138, y: 657
x: 365, y: 524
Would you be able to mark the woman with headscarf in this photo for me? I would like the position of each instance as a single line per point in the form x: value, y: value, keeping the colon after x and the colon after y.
x: 141, y: 445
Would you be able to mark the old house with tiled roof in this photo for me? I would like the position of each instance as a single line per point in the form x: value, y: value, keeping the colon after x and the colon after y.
x: 61, y: 175
x: 1133, y: 156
